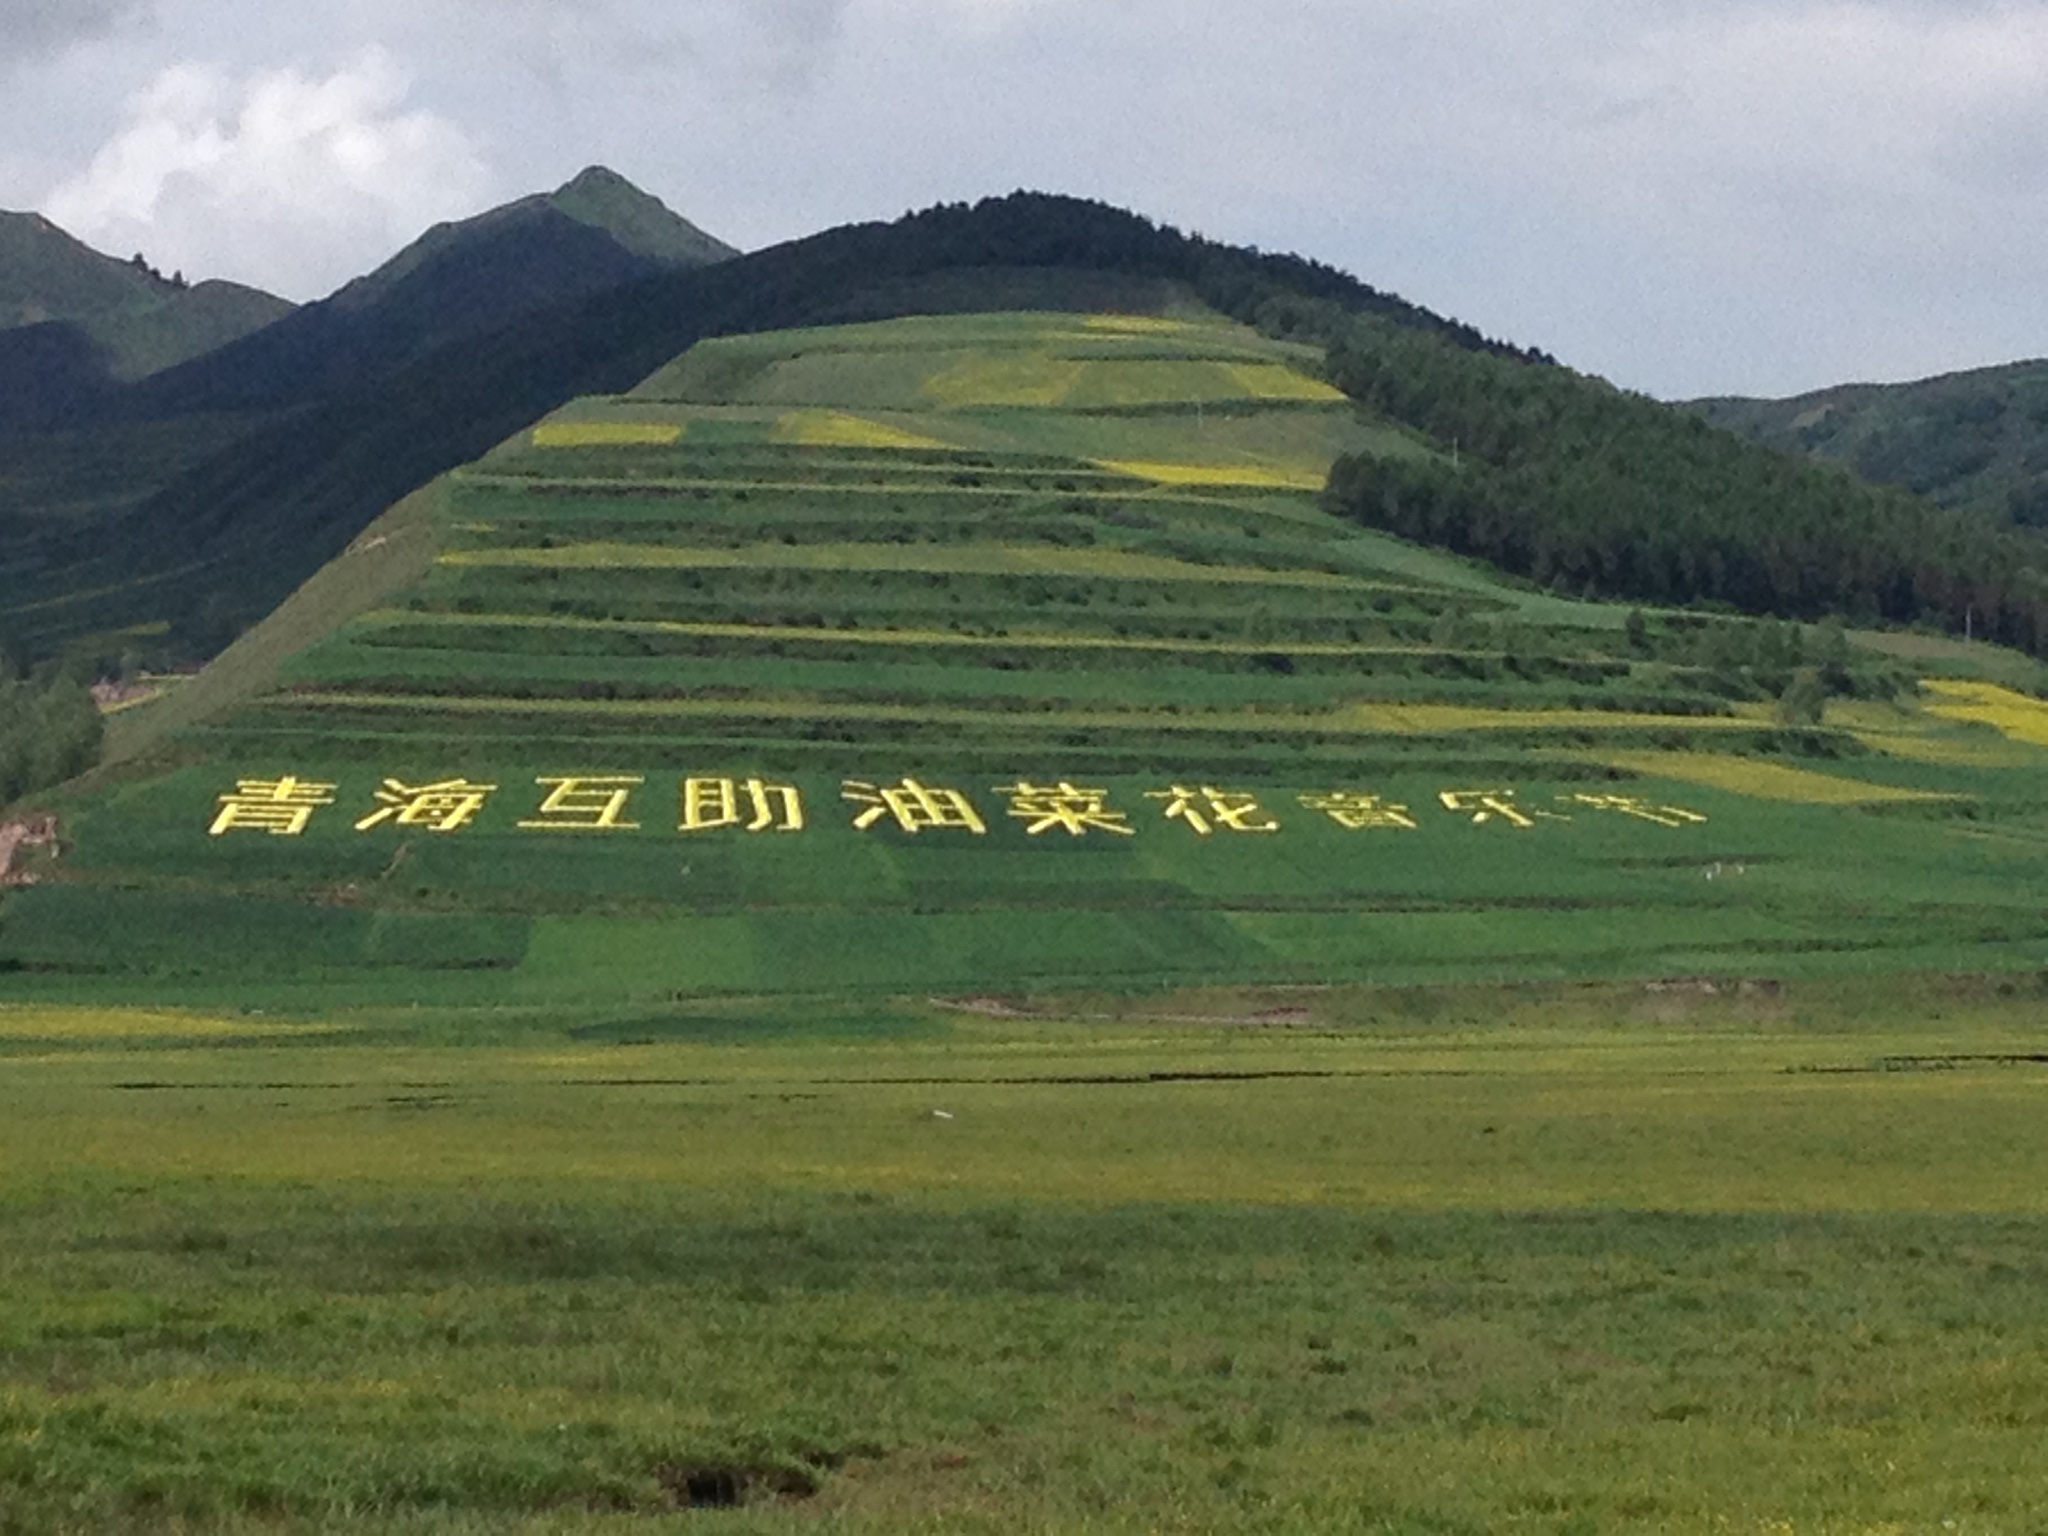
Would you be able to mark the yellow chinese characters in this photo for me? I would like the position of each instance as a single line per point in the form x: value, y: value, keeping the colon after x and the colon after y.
x: 1486, y: 805
x: 711, y: 805
x: 1359, y: 812
x: 1207, y: 810
x: 1064, y: 807
x: 447, y: 806
x: 1640, y: 809
x: 915, y: 807
x: 282, y: 807
x: 585, y: 803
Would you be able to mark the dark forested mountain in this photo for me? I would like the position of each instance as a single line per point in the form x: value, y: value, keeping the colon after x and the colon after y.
x: 75, y: 325
x: 218, y: 546
x: 1581, y: 486
x: 1976, y: 441
x: 1553, y: 475
x: 594, y: 233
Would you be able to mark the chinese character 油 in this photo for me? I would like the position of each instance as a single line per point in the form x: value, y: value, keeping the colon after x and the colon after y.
x: 1206, y: 810
x: 754, y: 805
x: 916, y: 807
x: 281, y: 807
x: 447, y: 806
x: 585, y: 803
x: 1359, y: 812
x: 1064, y: 807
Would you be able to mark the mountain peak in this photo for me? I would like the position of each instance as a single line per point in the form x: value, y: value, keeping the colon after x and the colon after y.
x: 600, y: 197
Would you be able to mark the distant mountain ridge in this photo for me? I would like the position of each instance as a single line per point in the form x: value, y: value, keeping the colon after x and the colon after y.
x: 76, y: 325
x: 1975, y: 441
x: 594, y: 233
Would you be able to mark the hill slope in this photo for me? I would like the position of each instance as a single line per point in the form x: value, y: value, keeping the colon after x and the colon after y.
x: 1975, y: 441
x: 996, y: 651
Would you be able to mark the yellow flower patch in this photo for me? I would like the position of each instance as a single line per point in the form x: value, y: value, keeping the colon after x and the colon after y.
x: 1761, y: 780
x: 1134, y: 325
x: 1276, y: 381
x: 606, y: 434
x: 1251, y: 476
x: 1028, y: 380
x: 2014, y: 714
x: 839, y: 429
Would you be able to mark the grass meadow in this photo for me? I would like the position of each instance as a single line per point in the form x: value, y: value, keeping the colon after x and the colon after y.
x: 1539, y: 1259
x: 896, y: 929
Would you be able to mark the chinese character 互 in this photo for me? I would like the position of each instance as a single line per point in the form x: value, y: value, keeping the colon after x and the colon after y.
x: 282, y: 807
x: 708, y: 805
x: 585, y: 803
x: 1485, y: 805
x: 1207, y: 810
x: 1064, y: 807
x: 1640, y: 808
x: 447, y: 806
x: 916, y: 807
x: 1358, y: 812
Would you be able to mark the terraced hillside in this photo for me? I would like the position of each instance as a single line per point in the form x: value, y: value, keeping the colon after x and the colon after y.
x: 993, y: 652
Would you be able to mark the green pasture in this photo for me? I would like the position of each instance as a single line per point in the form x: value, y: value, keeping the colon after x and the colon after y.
x: 1680, y: 1257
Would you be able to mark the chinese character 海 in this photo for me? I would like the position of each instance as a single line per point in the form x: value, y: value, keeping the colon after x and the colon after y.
x: 1064, y: 807
x: 916, y: 807
x: 447, y: 806
x: 585, y: 803
x: 1358, y: 812
x: 1207, y: 810
x: 708, y: 805
x: 281, y: 807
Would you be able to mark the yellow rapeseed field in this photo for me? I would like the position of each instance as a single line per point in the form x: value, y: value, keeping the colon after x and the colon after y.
x: 1276, y: 381
x: 1251, y: 476
x: 2015, y: 714
x: 606, y: 434
x: 1135, y: 325
x: 1027, y: 380
x: 1760, y: 780
x: 841, y: 429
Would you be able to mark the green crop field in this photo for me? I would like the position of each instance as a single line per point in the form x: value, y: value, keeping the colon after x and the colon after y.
x: 1670, y: 1258
x: 898, y: 925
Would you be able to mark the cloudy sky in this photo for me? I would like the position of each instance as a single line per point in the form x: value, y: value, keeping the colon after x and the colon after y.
x: 1687, y: 196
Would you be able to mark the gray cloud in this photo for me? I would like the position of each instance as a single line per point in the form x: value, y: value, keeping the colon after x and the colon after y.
x: 31, y: 29
x: 1686, y: 195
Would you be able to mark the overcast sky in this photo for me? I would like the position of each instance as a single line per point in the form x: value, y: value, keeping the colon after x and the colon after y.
x: 1687, y: 196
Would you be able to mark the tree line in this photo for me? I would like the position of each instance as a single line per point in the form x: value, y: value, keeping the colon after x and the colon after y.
x: 50, y: 730
x: 1592, y: 490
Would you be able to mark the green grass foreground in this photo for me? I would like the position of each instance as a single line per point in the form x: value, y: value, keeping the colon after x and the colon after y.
x: 1610, y: 1257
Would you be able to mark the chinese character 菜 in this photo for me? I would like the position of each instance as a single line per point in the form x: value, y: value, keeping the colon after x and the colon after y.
x: 1359, y: 812
x: 1640, y: 808
x: 916, y: 807
x: 281, y: 807
x: 1064, y: 807
x: 1206, y: 810
x: 753, y: 805
x: 585, y: 803
x: 446, y: 806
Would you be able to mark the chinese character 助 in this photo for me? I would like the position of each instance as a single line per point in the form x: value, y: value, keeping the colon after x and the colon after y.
x: 708, y: 805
